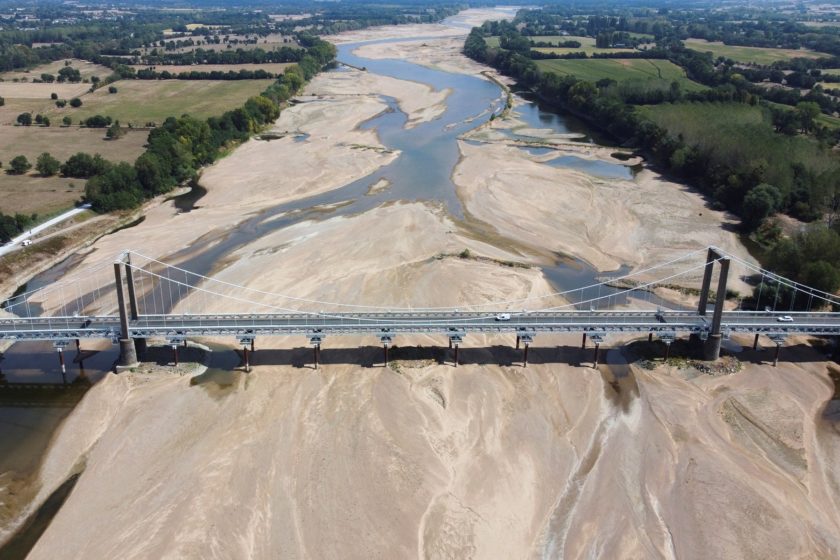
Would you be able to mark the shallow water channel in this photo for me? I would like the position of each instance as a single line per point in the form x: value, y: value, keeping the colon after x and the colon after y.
x: 422, y: 172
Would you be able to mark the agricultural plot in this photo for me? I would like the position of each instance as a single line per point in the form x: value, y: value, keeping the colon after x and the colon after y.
x: 141, y: 101
x: 620, y: 69
x: 755, y: 55
x: 587, y: 45
x: 740, y: 133
x: 31, y: 193
x: 85, y: 68
x: 273, y: 67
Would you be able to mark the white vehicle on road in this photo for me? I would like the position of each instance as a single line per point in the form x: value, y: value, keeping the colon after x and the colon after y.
x: 503, y: 317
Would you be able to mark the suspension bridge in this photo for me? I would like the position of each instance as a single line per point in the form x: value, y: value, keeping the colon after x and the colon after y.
x: 148, y: 298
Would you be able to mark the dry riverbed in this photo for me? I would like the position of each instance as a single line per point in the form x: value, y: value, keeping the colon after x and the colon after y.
x: 420, y: 459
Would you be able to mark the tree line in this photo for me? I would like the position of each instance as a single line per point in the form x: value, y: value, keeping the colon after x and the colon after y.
x: 182, y: 145
x: 737, y: 183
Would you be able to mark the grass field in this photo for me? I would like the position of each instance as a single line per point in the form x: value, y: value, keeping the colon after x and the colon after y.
x: 755, y: 55
x: 273, y: 67
x: 739, y: 133
x: 141, y: 101
x: 47, y: 195
x: 620, y: 69
x: 85, y: 68
x: 587, y: 44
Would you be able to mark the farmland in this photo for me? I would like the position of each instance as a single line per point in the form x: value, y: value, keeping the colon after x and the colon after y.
x: 619, y: 70
x: 755, y: 55
x: 738, y: 133
x: 273, y: 67
x: 31, y: 193
x: 140, y: 101
x: 85, y: 68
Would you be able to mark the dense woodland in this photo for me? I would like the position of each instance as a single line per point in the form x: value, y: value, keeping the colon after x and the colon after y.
x: 746, y: 150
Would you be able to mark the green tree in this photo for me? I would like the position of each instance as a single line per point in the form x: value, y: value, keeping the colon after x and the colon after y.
x: 82, y: 166
x: 115, y: 131
x: 19, y: 165
x: 759, y: 203
x: 67, y: 121
x: 47, y: 165
x: 24, y: 119
x: 807, y: 111
x: 76, y: 102
x: 112, y: 89
x: 53, y: 96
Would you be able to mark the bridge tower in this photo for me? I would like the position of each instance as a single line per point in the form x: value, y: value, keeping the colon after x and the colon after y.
x: 128, y: 352
x: 711, y: 350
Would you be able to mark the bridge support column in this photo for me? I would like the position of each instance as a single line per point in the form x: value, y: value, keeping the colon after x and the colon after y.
x: 78, y: 346
x: 175, y: 354
x: 316, y: 351
x: 667, y: 350
x: 597, y: 349
x: 712, y: 348
x: 650, y: 336
x: 245, y: 356
x: 139, y: 343
x: 456, y: 355
x: 517, y: 342
x: 61, y: 360
x: 583, y: 343
x: 252, y: 345
x: 755, y: 342
x: 778, y: 352
x: 525, y: 355
x: 385, y: 349
x: 128, y: 352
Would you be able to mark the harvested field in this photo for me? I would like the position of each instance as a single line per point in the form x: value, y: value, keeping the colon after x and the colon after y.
x: 620, y: 69
x: 85, y: 68
x: 274, y: 67
x: 27, y: 90
x: 31, y: 193
x: 757, y: 55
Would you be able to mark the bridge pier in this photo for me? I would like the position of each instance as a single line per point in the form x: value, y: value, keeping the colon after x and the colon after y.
x: 778, y: 352
x: 517, y: 342
x: 456, y: 355
x: 583, y: 343
x: 61, y: 360
x: 174, y: 354
x: 525, y: 355
x: 245, y: 357
x: 597, y: 349
x: 385, y: 349
x: 755, y: 342
x: 711, y: 348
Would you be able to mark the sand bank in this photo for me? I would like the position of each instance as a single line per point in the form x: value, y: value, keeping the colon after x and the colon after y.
x: 359, y: 260
x: 607, y: 223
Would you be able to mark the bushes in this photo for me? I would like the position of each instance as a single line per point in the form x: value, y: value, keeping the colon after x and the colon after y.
x: 47, y: 165
x: 19, y: 165
x: 83, y: 166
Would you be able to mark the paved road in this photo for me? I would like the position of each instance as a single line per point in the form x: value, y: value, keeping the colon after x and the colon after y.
x: 452, y: 324
x: 15, y: 243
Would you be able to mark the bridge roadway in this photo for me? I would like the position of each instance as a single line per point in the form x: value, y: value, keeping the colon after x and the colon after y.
x: 448, y: 323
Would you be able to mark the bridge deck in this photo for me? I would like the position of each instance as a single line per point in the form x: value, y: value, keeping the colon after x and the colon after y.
x: 422, y: 322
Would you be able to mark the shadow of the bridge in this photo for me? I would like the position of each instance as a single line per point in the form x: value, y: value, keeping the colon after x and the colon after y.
x: 367, y: 356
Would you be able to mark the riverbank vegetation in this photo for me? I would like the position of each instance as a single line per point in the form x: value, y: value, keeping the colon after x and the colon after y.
x: 750, y: 150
